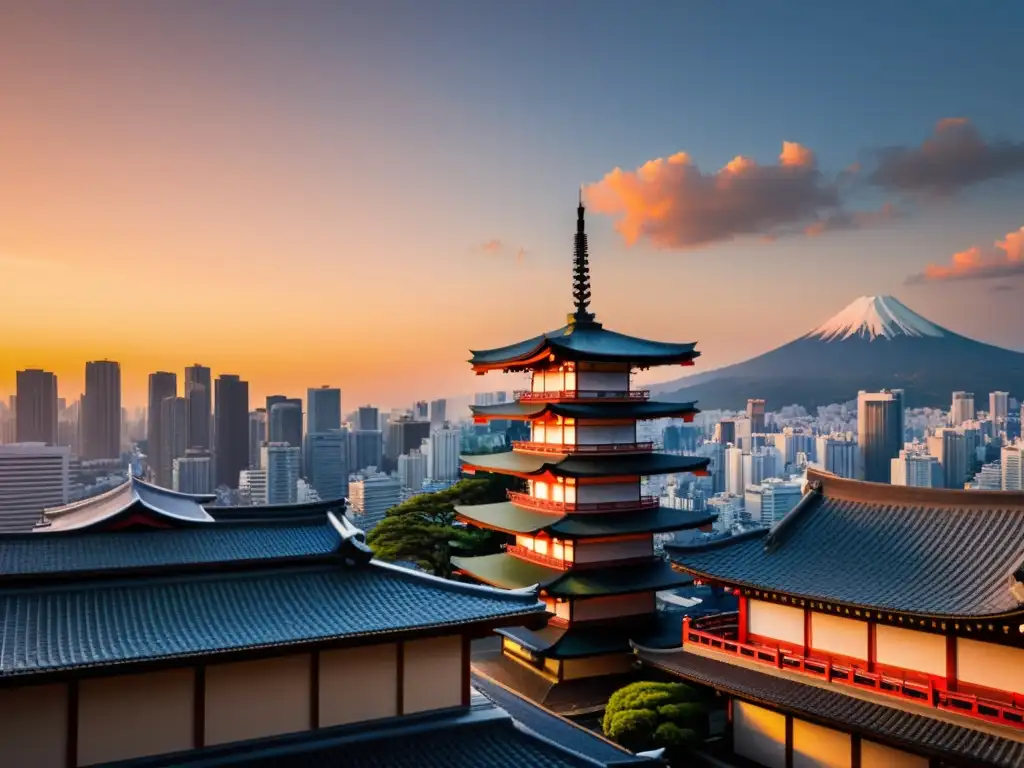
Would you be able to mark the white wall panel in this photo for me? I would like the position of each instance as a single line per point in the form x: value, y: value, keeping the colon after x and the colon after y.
x: 251, y: 699
x: 371, y: 670
x: 779, y: 622
x: 836, y: 635
x: 432, y: 674
x: 759, y: 734
x: 905, y: 648
x: 990, y: 665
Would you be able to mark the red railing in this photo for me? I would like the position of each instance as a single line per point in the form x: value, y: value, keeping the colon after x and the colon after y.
x: 529, y: 554
x: 529, y: 446
x: 584, y: 394
x: 900, y: 687
x: 547, y: 505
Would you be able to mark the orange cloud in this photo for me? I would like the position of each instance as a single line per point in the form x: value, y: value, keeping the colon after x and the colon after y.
x: 954, y: 157
x: 1004, y: 259
x: 496, y: 247
x: 673, y: 204
x: 491, y: 246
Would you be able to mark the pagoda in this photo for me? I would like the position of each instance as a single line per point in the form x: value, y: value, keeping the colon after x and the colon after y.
x: 583, y: 529
x: 877, y: 625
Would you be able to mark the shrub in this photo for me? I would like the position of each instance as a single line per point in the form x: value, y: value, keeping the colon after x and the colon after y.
x: 648, y: 715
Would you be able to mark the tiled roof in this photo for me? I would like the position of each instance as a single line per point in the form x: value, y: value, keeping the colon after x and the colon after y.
x: 511, y: 572
x: 267, y: 512
x: 563, y: 465
x: 104, y: 622
x: 588, y: 341
x: 37, y: 554
x: 173, y: 506
x: 506, y: 516
x: 662, y: 629
x: 533, y: 409
x: 879, y: 722
x: 940, y: 553
x: 484, y: 737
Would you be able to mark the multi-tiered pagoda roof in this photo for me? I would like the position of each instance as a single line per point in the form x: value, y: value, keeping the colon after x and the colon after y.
x: 584, y: 530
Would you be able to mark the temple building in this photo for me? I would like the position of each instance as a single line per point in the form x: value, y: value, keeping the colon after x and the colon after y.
x: 878, y: 625
x: 144, y: 628
x: 583, y: 530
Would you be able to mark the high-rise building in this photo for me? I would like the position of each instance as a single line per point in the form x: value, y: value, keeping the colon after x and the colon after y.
x: 412, y: 471
x: 252, y: 484
x: 257, y: 436
x: 198, y: 391
x: 1012, y: 460
x: 962, y: 409
x: 771, y: 500
x: 998, y: 406
x: 323, y: 409
x: 734, y: 471
x: 101, y: 410
x: 366, y: 449
x: 421, y: 410
x: 327, y: 463
x: 281, y: 462
x: 369, y: 418
x: 404, y: 436
x: 33, y: 476
x: 232, y: 428
x: 725, y: 432
x: 838, y: 454
x: 273, y: 400
x: 173, y: 437
x: 761, y: 464
x: 755, y: 412
x: 952, y: 448
x: 162, y: 385
x: 36, y: 416
x: 284, y: 423
x: 879, y: 433
x: 919, y: 470
x: 989, y: 478
x: 370, y: 496
x: 438, y: 413
x: 193, y: 472
x: 444, y: 455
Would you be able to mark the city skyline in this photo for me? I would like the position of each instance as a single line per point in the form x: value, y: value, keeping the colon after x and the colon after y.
x: 444, y: 175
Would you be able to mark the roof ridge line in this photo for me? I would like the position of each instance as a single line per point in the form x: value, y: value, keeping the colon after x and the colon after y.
x: 777, y: 535
x: 727, y: 541
x: 521, y: 595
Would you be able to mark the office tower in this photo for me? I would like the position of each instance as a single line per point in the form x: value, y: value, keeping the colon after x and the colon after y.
x: 8, y: 427
x: 1012, y: 460
x: 838, y: 454
x: 989, y: 478
x: 761, y: 464
x: 879, y: 433
x: 962, y: 409
x: 725, y: 432
x: 67, y: 428
x: 438, y: 413
x: 444, y: 455
x: 281, y: 462
x: 369, y: 418
x: 273, y: 400
x: 952, y: 449
x: 744, y: 433
x: 284, y: 423
x: 198, y: 391
x: 232, y: 428
x: 327, y: 463
x: 323, y: 409
x: 366, y: 449
x: 412, y: 471
x: 404, y: 436
x: 101, y: 410
x: 257, y: 436
x: 33, y: 476
x: 370, y: 496
x: 755, y: 412
x: 734, y: 471
x: 916, y: 469
x: 998, y: 406
x: 173, y: 437
x: 193, y: 472
x: 162, y: 385
x: 252, y: 484
x: 36, y: 414
x: 421, y: 410
x: 768, y: 502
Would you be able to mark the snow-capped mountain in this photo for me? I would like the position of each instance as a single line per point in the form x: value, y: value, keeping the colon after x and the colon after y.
x: 874, y: 342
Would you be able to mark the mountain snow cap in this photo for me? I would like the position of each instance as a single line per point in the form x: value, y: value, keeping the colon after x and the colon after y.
x: 871, y: 317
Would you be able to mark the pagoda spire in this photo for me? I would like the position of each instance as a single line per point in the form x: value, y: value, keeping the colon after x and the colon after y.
x: 581, y: 271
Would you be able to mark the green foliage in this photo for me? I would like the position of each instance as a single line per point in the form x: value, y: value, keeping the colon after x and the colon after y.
x: 422, y: 528
x: 650, y: 715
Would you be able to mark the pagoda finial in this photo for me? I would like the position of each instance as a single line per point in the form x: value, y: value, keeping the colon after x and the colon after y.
x: 581, y: 271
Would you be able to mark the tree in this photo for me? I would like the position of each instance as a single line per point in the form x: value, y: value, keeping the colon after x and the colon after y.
x: 651, y: 715
x: 422, y: 528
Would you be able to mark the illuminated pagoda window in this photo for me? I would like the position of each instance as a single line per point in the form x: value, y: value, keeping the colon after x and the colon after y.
x: 582, y: 528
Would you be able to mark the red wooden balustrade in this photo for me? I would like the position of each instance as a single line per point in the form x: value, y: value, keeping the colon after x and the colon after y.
x: 535, y: 557
x: 532, y: 447
x: 724, y: 626
x: 583, y: 394
x: 547, y: 505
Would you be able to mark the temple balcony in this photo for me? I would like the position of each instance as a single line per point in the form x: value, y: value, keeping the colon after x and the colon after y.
x: 719, y: 634
x: 526, y: 501
x: 590, y: 395
x: 533, y: 556
x: 529, y: 446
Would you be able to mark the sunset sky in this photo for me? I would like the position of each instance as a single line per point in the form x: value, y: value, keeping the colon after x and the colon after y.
x: 357, y: 193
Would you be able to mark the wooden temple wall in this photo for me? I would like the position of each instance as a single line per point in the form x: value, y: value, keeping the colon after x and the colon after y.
x: 591, y: 434
x: 596, y: 608
x: 603, y: 381
x: 599, y: 493
x: 102, y: 719
x: 608, y: 551
x: 778, y: 740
